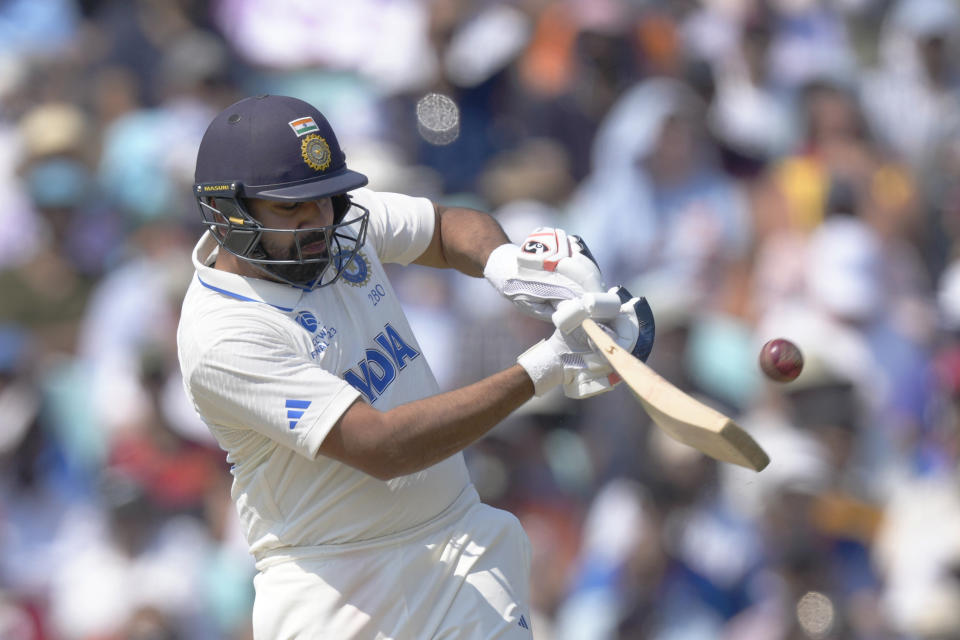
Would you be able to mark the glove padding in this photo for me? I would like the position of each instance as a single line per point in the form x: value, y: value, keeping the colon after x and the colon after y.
x: 559, y: 360
x: 549, y: 266
x: 568, y: 357
x: 633, y: 328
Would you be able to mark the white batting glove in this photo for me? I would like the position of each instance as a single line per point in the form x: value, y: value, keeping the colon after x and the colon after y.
x: 632, y: 328
x: 549, y: 266
x: 559, y: 359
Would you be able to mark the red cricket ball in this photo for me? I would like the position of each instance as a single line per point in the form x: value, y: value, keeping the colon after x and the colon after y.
x: 781, y: 360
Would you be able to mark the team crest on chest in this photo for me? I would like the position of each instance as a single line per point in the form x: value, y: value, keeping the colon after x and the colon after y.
x: 315, y: 152
x: 356, y: 272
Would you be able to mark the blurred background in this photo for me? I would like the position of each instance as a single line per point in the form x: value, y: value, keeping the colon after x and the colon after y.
x: 755, y: 168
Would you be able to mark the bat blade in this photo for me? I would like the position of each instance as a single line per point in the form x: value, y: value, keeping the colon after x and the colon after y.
x: 681, y: 416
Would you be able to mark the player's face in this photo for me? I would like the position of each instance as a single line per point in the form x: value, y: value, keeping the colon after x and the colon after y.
x: 273, y: 214
x: 292, y: 215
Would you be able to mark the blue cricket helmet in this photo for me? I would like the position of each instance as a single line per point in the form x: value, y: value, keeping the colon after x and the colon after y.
x: 278, y: 148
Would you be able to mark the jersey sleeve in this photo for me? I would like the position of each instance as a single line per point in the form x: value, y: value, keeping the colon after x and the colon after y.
x: 400, y: 227
x: 261, y: 384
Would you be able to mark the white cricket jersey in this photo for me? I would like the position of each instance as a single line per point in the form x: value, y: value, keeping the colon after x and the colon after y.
x: 270, y: 368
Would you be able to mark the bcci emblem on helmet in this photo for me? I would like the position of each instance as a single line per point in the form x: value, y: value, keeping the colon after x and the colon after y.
x: 315, y: 152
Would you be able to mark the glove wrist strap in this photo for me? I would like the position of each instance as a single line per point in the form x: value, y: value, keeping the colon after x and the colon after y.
x: 542, y: 365
x: 501, y: 265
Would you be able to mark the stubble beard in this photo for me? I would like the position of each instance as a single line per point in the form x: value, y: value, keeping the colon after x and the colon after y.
x: 297, y: 273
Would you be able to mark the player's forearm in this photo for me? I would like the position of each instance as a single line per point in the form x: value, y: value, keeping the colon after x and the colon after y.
x: 419, y: 434
x: 430, y: 430
x: 467, y: 238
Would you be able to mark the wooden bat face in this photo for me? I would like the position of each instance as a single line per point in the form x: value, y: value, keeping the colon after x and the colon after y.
x: 681, y: 416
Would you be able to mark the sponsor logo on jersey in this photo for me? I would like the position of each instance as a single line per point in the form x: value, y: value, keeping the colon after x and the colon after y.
x: 295, y: 411
x: 322, y: 335
x: 356, y: 273
x: 307, y: 320
x: 321, y: 340
x: 303, y: 126
x: 380, y: 364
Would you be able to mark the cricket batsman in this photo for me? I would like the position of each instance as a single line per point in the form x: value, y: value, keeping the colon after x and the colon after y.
x: 348, y: 475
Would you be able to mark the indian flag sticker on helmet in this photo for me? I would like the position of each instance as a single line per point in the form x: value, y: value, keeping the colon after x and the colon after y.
x: 303, y: 126
x: 315, y: 152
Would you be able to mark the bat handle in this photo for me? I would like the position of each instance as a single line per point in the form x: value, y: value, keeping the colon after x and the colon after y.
x: 570, y: 314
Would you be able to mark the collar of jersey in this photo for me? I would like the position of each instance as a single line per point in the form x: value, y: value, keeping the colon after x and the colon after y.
x: 281, y: 296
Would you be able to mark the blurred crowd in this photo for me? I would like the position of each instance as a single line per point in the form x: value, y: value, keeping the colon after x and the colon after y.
x: 755, y: 168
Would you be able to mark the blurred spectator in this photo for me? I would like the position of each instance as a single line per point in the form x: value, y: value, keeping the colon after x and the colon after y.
x: 47, y: 291
x: 620, y: 545
x: 37, y: 28
x: 750, y: 115
x: 144, y: 561
x: 844, y: 317
x: 832, y: 159
x: 332, y: 36
x: 579, y: 61
x: 920, y: 561
x: 667, y: 218
x: 809, y: 40
x: 911, y: 98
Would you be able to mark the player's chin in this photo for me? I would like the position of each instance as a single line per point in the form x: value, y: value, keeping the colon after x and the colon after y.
x: 302, y: 274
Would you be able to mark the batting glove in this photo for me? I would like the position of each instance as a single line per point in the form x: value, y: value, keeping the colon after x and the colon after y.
x: 559, y: 359
x: 632, y: 328
x: 547, y: 268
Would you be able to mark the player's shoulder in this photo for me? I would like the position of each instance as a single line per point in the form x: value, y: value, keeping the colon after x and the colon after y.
x: 379, y: 202
x: 214, y: 328
x: 368, y: 198
x: 207, y: 314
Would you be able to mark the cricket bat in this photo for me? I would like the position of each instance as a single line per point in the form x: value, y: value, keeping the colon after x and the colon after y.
x: 681, y: 416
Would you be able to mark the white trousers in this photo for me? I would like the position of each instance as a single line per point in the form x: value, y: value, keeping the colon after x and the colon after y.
x: 462, y: 576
